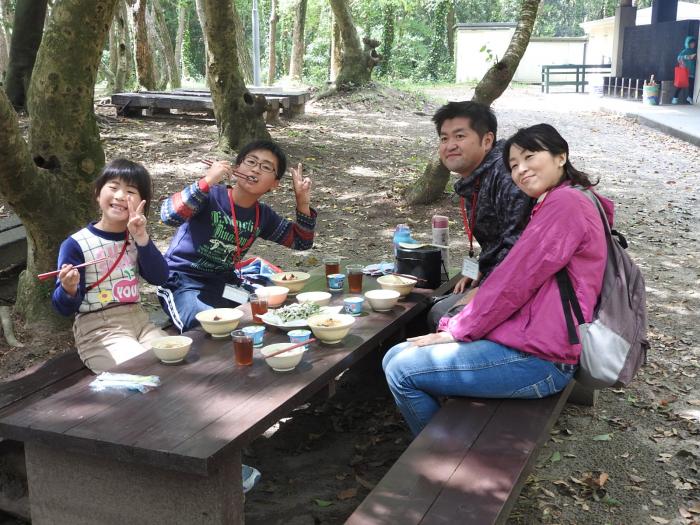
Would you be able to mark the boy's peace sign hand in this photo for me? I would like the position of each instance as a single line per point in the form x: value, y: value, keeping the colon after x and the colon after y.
x: 137, y: 221
x: 302, y: 189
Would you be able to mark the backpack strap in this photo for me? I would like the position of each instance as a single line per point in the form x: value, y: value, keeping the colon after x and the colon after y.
x: 569, y: 302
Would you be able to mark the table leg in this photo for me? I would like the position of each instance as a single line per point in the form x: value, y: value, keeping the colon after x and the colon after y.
x: 73, y: 488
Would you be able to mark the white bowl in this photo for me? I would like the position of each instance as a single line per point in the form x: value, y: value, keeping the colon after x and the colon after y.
x: 172, y: 348
x: 282, y: 362
x: 319, y: 298
x: 403, y: 285
x: 382, y: 300
x: 275, y: 295
x: 341, y: 324
x: 295, y: 281
x: 219, y: 322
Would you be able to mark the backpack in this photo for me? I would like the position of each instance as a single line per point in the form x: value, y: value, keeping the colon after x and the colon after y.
x: 614, y: 345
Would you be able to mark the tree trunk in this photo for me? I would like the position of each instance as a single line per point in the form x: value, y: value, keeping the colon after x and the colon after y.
x: 145, y: 67
x: 180, y: 38
x: 451, y: 21
x: 238, y: 113
x: 120, y: 57
x: 296, y: 63
x: 437, y: 56
x: 336, y: 45
x: 4, y: 40
x: 357, y: 61
x: 388, y: 32
x: 245, y: 60
x: 429, y: 187
x: 56, y: 168
x: 167, y: 42
x: 497, y: 78
x: 160, y: 66
x: 26, y: 37
x: 272, y: 44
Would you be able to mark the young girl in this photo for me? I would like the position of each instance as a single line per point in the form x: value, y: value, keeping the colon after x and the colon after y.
x: 511, y: 340
x: 110, y: 326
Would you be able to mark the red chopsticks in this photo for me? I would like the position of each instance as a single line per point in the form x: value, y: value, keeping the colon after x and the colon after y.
x: 47, y: 275
x: 250, y: 178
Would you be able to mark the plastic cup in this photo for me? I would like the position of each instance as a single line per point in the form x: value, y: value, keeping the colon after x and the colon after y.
x: 258, y: 307
x: 299, y: 336
x: 332, y: 263
x: 353, y: 305
x: 336, y: 282
x: 242, y: 348
x: 257, y: 333
x: 354, y: 272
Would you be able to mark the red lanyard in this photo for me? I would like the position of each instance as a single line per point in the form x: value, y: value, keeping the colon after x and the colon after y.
x: 470, y: 224
x: 111, y: 268
x: 240, y: 249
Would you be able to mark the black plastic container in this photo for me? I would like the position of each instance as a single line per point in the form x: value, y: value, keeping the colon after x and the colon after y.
x: 424, y: 262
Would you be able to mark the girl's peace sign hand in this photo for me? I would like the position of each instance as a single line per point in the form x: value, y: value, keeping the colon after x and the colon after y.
x: 302, y: 189
x: 137, y: 221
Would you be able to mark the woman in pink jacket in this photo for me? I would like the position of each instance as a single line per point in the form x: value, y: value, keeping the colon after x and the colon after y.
x: 511, y: 340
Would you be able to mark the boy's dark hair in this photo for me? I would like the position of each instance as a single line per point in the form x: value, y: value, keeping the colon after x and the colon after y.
x: 543, y: 137
x: 131, y: 173
x: 267, y: 145
x: 481, y: 118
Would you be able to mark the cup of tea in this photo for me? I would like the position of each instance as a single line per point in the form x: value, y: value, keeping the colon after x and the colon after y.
x: 258, y: 307
x: 354, y: 273
x: 353, y: 305
x: 242, y: 348
x: 257, y: 333
x: 332, y: 263
x: 336, y: 282
x: 299, y: 336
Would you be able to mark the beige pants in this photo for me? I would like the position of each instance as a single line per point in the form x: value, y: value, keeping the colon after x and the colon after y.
x: 109, y: 337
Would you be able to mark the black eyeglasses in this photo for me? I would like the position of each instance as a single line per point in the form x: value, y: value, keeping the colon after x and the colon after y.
x: 265, y: 165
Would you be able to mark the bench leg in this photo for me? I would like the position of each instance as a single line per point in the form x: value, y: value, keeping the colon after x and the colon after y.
x: 296, y: 109
x: 72, y: 488
x: 582, y: 395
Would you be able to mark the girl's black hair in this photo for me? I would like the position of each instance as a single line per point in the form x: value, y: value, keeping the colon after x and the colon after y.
x: 267, y: 145
x: 543, y: 137
x: 131, y: 173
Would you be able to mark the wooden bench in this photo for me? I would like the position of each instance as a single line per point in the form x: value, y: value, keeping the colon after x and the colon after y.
x: 467, y: 466
x: 29, y: 386
x: 13, y: 242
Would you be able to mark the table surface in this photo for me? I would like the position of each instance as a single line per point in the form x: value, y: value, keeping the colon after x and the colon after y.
x: 206, y: 406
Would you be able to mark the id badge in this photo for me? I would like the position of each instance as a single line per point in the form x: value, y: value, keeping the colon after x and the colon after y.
x: 470, y: 268
x: 236, y: 294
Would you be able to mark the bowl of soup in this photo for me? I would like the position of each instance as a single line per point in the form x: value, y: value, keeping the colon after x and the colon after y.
x: 295, y: 281
x: 219, y: 322
x: 172, y: 348
x: 330, y: 328
x: 403, y: 285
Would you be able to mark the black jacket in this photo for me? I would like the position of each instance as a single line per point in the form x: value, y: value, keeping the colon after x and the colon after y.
x: 502, y: 210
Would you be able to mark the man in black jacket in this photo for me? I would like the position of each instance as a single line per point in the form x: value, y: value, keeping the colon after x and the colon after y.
x: 493, y: 209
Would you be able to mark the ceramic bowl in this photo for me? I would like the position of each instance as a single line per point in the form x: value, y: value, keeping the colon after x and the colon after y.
x: 219, y: 322
x: 319, y: 298
x: 382, y: 300
x: 295, y: 281
x: 330, y: 328
x: 282, y: 362
x: 403, y: 285
x: 275, y: 295
x: 172, y: 348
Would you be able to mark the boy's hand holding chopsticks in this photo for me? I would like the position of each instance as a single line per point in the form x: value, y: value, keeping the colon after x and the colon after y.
x: 220, y: 170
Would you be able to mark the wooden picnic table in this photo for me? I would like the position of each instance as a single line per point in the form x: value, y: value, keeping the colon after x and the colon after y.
x: 173, y: 455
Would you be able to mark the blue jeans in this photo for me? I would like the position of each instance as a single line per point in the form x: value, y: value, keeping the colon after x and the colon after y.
x: 418, y: 376
x: 183, y: 297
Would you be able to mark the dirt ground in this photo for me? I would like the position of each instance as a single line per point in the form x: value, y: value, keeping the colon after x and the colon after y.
x: 631, y: 459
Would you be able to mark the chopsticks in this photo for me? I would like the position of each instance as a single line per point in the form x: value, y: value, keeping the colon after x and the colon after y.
x: 47, y: 275
x: 407, y: 276
x: 249, y: 178
x: 296, y: 345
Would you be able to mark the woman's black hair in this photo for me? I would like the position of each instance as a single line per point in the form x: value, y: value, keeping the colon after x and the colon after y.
x: 132, y: 173
x: 543, y: 137
x: 267, y: 145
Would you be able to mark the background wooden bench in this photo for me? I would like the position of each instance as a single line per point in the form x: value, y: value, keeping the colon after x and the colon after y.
x: 467, y: 466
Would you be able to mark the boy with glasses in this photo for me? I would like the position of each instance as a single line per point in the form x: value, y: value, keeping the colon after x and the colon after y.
x: 219, y: 223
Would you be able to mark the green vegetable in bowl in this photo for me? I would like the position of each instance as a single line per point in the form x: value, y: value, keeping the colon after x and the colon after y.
x: 295, y: 311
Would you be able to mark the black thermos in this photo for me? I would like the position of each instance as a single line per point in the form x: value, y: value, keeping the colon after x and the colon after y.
x: 424, y: 262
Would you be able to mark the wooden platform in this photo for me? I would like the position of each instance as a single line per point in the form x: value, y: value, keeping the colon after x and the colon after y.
x: 287, y: 102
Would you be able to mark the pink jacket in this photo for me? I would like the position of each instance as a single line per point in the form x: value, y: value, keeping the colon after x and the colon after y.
x: 519, y: 305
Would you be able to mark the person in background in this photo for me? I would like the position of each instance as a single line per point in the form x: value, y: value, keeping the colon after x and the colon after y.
x: 511, y: 340
x: 110, y: 326
x: 494, y: 211
x: 687, y: 57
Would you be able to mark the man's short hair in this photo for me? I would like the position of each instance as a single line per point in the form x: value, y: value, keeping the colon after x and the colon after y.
x: 481, y: 118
